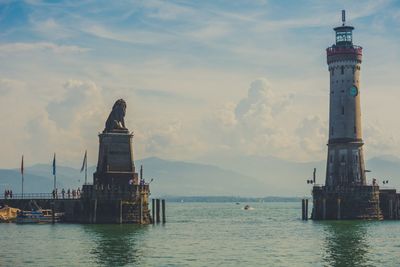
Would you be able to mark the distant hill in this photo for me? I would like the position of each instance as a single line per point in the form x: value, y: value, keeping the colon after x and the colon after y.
x: 245, y: 177
x: 189, y: 179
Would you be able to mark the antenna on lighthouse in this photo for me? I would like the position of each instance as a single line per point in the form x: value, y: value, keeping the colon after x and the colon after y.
x: 343, y: 17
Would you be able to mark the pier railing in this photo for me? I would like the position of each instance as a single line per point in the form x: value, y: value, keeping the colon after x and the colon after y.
x: 39, y: 196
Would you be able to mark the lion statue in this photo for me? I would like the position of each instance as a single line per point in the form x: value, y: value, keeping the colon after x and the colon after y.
x: 115, y: 121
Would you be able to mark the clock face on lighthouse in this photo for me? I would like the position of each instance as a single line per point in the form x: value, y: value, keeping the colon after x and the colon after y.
x: 353, y: 91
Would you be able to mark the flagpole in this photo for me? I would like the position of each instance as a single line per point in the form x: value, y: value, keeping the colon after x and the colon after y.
x: 22, y: 176
x: 54, y: 172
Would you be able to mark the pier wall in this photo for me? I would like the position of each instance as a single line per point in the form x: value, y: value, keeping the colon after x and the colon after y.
x: 355, y: 202
x: 89, y: 210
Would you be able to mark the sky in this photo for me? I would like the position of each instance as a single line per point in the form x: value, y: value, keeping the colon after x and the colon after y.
x: 202, y: 79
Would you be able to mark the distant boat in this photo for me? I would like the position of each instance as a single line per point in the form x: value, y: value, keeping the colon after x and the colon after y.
x: 237, y: 203
x: 38, y: 216
x: 248, y: 207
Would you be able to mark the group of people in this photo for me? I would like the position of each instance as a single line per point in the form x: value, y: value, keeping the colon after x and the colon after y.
x: 8, y: 194
x: 67, y: 194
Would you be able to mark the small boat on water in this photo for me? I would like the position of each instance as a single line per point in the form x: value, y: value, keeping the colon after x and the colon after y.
x: 37, y: 216
x: 247, y: 207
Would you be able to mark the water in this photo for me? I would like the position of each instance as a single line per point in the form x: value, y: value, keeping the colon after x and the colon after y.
x: 207, y: 234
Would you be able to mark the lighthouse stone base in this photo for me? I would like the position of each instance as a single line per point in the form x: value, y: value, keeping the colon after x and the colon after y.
x: 350, y: 202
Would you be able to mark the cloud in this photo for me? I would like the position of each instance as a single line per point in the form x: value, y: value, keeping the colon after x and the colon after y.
x: 81, y: 102
x: 253, y: 125
x: 378, y: 141
x: 312, y: 132
x: 8, y: 85
x: 40, y: 46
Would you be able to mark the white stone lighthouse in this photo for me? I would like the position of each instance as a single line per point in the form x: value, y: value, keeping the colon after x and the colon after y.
x: 345, y: 162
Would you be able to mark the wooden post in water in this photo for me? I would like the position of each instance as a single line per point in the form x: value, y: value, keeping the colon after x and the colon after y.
x: 95, y: 211
x: 153, y: 212
x: 324, y: 209
x: 163, y: 210
x: 338, y: 209
x: 306, y: 214
x: 53, y: 218
x: 390, y: 209
x: 157, y: 210
x: 120, y: 211
x: 303, y: 207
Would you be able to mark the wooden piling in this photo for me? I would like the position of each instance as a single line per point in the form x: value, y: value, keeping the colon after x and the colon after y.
x: 338, y: 209
x: 306, y: 214
x: 324, y: 209
x: 120, y: 211
x: 390, y: 209
x: 53, y: 215
x: 153, y: 212
x: 95, y: 211
x: 163, y: 210
x: 303, y: 207
x: 157, y: 210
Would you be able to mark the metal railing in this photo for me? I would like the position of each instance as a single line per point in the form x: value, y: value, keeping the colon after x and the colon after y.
x: 40, y: 196
x: 344, y: 50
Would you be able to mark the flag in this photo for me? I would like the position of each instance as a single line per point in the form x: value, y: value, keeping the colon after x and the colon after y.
x: 22, y: 165
x: 84, y: 161
x: 54, y: 164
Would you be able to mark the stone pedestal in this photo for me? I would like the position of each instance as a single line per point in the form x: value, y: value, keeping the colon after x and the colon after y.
x: 115, y: 167
x: 116, y: 195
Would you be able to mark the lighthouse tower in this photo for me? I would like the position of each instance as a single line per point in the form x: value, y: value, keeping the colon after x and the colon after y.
x: 346, y: 194
x: 345, y: 163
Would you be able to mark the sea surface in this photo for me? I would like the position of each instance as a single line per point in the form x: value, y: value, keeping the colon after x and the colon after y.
x: 207, y: 234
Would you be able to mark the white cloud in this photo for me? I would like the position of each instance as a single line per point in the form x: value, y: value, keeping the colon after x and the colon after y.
x: 312, y: 132
x: 8, y: 85
x: 254, y: 126
x: 80, y: 103
x: 40, y: 46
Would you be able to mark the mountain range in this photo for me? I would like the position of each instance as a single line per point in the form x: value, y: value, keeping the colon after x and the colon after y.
x: 245, y: 176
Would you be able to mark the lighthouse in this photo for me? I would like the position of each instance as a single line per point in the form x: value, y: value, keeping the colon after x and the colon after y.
x: 346, y: 194
x: 345, y: 162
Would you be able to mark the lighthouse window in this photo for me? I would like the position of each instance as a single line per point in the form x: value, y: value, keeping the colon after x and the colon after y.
x: 342, y: 70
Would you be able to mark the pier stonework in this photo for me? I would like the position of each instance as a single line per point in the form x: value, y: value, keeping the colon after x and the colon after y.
x: 346, y: 194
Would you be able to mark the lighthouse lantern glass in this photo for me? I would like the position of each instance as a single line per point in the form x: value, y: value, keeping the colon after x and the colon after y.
x: 344, y: 37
